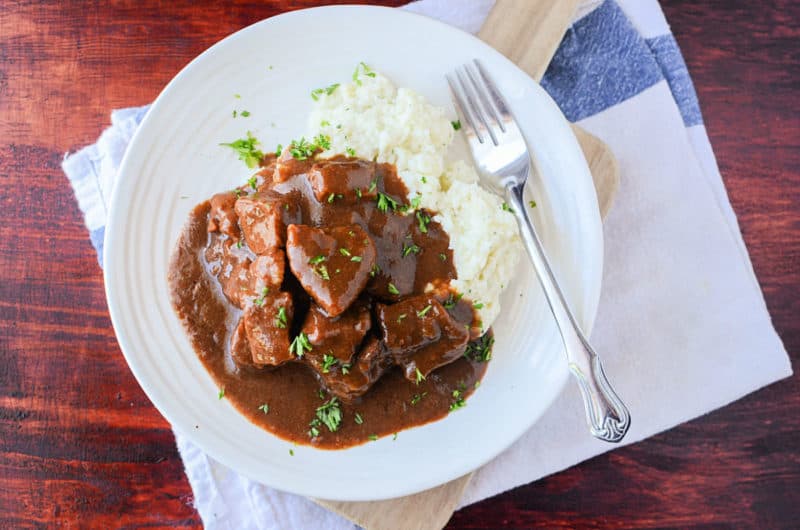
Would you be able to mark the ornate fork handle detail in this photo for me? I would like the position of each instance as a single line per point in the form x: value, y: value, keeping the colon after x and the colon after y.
x: 606, y: 414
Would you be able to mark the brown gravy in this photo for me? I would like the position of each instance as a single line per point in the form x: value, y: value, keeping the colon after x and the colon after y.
x: 284, y: 399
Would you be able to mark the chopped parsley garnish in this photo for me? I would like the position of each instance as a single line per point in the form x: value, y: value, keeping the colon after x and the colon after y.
x: 424, y: 219
x: 264, y: 408
x: 303, y: 149
x: 221, y: 393
x: 316, y: 260
x: 415, y: 201
x: 456, y: 124
x: 359, y: 419
x: 330, y: 414
x: 424, y: 179
x: 394, y: 437
x: 239, y: 244
x: 323, y: 141
x: 400, y: 317
x: 281, y: 321
x: 375, y: 270
x: 300, y: 345
x: 322, y: 272
x: 416, y: 398
x: 372, y: 185
x: 451, y: 301
x: 313, y: 432
x: 234, y: 113
x: 393, y: 289
x: 385, y: 202
x: 245, y: 113
x: 358, y: 193
x: 331, y: 198
x: 321, y: 394
x: 373, y: 437
x: 345, y: 368
x: 443, y: 256
x: 291, y: 451
x: 507, y: 208
x: 247, y: 150
x: 458, y: 403
x: 328, y: 362
x: 356, y: 259
x: 350, y: 151
x: 420, y: 377
x: 478, y: 305
x: 317, y: 92
x: 278, y: 150
x: 324, y: 123
x: 237, y: 96
x: 260, y: 300
x: 424, y: 311
x: 480, y: 350
x: 344, y: 252
x: 362, y: 68
x: 408, y: 249
x: 532, y: 204
x: 253, y: 181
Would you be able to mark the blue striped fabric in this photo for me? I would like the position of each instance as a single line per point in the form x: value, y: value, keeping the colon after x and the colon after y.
x: 603, y: 61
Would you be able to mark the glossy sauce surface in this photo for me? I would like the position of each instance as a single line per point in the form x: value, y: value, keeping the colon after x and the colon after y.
x: 211, y: 291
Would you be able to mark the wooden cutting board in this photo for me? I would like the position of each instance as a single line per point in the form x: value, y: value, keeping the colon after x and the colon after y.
x: 527, y: 32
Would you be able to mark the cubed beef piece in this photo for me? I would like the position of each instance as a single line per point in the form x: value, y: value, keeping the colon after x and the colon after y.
x: 332, y: 264
x: 261, y: 222
x: 240, y: 348
x: 335, y: 340
x: 234, y: 279
x: 421, y: 335
x: 267, y: 271
x: 267, y: 322
x: 343, y: 181
x: 372, y: 362
x: 222, y: 217
x: 287, y: 166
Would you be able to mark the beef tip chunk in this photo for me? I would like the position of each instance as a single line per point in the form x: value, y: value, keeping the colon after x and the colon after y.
x: 421, y: 335
x: 267, y: 322
x: 222, y: 217
x: 344, y: 181
x: 335, y: 340
x: 260, y: 219
x: 234, y: 279
x: 240, y: 348
x: 332, y: 264
x: 267, y: 271
x: 370, y: 365
x: 288, y: 166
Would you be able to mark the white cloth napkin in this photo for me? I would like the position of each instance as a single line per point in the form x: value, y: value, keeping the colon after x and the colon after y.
x: 682, y: 325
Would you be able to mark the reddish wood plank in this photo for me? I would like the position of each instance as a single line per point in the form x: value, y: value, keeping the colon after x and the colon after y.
x: 81, y: 445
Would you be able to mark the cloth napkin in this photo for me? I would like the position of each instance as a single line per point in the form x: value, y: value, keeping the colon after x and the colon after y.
x: 682, y: 324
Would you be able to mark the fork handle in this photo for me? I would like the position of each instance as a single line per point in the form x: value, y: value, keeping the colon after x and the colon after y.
x: 606, y: 414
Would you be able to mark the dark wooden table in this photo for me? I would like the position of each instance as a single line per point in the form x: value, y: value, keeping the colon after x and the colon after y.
x: 80, y: 443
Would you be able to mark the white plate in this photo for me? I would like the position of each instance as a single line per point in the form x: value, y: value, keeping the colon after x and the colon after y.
x: 174, y: 162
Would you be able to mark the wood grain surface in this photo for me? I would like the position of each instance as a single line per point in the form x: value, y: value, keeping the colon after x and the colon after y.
x: 81, y: 445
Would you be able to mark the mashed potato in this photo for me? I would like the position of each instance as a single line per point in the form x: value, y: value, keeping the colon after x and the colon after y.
x: 372, y: 119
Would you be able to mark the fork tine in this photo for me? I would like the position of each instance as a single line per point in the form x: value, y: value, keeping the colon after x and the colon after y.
x: 481, y: 90
x: 462, y: 109
x: 471, y: 96
x: 499, y: 102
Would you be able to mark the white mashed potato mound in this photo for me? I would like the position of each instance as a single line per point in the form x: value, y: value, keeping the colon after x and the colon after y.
x: 377, y: 121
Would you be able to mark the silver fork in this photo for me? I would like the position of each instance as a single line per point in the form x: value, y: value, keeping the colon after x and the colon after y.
x: 501, y: 154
